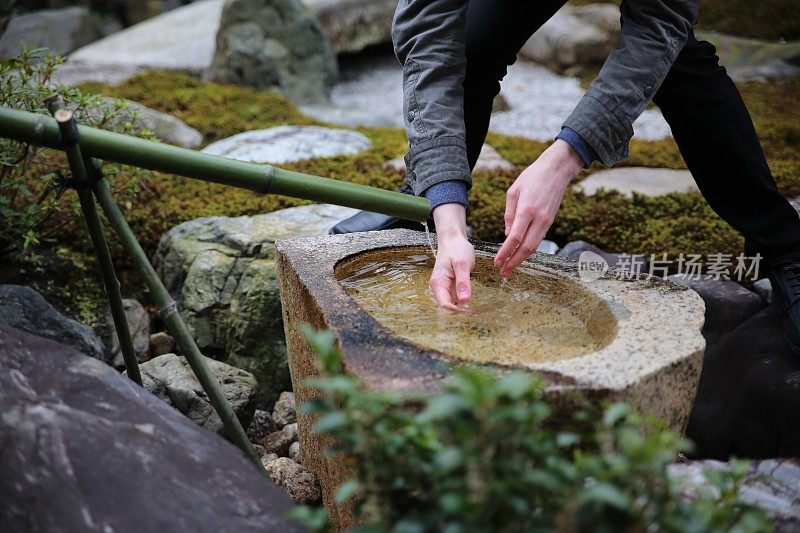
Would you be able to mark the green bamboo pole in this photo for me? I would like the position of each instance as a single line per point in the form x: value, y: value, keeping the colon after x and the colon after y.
x: 169, y: 313
x: 42, y: 130
x: 69, y: 133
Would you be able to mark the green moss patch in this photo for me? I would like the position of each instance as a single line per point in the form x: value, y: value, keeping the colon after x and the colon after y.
x: 678, y: 223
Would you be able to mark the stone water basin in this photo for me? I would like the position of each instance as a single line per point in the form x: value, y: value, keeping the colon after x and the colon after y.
x: 637, y: 341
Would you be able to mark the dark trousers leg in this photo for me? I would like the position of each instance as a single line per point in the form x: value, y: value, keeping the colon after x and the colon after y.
x: 495, y: 31
x: 716, y: 137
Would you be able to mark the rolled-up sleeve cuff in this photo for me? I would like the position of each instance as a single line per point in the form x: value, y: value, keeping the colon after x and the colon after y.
x: 599, y: 121
x: 447, y: 192
x: 581, y: 147
x: 435, y: 161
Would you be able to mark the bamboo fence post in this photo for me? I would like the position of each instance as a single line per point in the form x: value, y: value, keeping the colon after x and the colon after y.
x: 80, y: 175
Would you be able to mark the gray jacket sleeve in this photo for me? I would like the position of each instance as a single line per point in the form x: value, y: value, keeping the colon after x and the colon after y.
x: 428, y: 37
x: 653, y: 33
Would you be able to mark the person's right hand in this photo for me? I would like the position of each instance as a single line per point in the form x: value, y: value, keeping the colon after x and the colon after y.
x: 455, y: 258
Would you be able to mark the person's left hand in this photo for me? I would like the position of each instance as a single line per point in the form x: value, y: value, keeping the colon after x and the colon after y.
x: 533, y: 201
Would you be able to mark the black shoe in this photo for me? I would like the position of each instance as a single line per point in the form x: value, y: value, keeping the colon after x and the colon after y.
x: 369, y: 221
x: 785, y: 281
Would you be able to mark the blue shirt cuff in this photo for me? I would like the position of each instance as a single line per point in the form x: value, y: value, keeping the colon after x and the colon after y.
x: 447, y: 192
x: 579, y: 144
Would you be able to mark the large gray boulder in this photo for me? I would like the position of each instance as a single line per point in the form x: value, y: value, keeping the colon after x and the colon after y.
x: 82, y: 448
x: 221, y: 272
x: 755, y: 60
x: 171, y: 378
x: 180, y: 40
x: 352, y: 25
x: 274, y: 45
x: 23, y: 308
x: 59, y: 30
x: 567, y: 41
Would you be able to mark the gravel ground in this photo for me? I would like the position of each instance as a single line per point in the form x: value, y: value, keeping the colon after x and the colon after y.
x: 540, y: 100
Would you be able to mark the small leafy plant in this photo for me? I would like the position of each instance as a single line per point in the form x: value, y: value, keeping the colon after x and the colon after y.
x: 488, y: 455
x: 32, y: 206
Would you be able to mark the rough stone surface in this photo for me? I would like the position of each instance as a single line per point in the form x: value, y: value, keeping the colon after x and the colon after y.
x: 286, y: 144
x: 352, y: 25
x: 728, y: 304
x: 277, y: 442
x: 749, y: 394
x: 298, y: 481
x: 291, y: 431
x: 165, y: 127
x: 567, y: 41
x: 182, y: 40
x: 772, y: 485
x: 652, y: 362
x: 763, y: 288
x: 171, y: 379
x: 285, y: 411
x: 59, y: 30
x: 84, y: 449
x: 221, y: 272
x: 161, y: 343
x: 294, y: 452
x: 755, y: 60
x: 23, y: 308
x: 261, y: 426
x: 640, y: 180
x: 489, y: 160
x: 274, y: 45
x: 139, y: 326
x: 626, y: 262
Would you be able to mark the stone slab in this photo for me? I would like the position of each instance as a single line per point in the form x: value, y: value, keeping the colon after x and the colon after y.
x: 640, y: 180
x: 183, y: 39
x: 286, y: 144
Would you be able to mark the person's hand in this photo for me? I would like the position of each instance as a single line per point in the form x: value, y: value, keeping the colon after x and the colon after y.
x: 455, y: 258
x: 532, y: 202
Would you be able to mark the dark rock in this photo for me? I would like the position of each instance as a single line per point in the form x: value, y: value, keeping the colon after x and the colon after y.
x: 59, y: 30
x: 170, y: 378
x: 274, y: 45
x: 161, y: 343
x: 299, y: 482
x: 277, y: 442
x: 261, y: 426
x: 84, y: 449
x: 728, y: 304
x: 285, y: 409
x: 23, y: 308
x: 139, y: 325
x: 749, y: 394
x: 763, y: 288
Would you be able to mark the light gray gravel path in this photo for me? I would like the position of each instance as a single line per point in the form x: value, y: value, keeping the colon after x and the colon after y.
x: 540, y: 99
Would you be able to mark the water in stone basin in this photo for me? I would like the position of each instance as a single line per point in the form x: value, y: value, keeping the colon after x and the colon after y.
x: 532, y: 317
